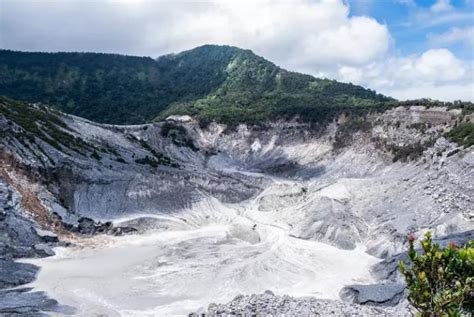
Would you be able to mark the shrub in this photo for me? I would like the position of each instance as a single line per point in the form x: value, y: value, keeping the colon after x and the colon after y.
x: 178, y: 134
x: 345, y: 132
x: 155, y: 161
x: 96, y: 156
x: 120, y: 160
x: 463, y: 134
x: 147, y: 160
x: 440, y: 280
x: 409, y: 152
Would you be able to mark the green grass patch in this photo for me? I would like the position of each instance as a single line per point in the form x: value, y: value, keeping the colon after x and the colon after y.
x: 462, y: 134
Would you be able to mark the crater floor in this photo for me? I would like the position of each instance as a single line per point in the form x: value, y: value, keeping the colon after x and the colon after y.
x: 208, y: 253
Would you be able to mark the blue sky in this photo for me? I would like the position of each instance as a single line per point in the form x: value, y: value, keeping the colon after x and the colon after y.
x: 402, y: 48
x: 414, y: 25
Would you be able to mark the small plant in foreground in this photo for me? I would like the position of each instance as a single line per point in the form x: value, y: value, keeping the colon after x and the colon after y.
x: 440, y: 280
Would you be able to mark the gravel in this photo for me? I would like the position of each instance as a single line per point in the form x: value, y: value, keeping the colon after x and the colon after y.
x: 269, y: 304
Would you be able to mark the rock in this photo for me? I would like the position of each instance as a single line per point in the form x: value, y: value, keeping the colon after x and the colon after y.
x: 43, y: 250
x: 46, y: 236
x: 22, y: 302
x: 342, y: 203
x: 118, y: 231
x: 90, y: 227
x: 10, y: 252
x: 86, y: 226
x: 387, y: 294
x: 268, y: 304
x: 14, y: 273
x: 387, y: 269
x: 104, y: 227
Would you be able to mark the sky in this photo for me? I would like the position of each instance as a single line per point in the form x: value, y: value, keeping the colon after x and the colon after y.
x: 402, y: 48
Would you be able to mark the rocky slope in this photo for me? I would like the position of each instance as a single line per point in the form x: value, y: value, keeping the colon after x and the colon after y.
x: 358, y: 184
x: 269, y: 304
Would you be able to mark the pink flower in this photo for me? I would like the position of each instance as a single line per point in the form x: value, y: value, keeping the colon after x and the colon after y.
x: 452, y: 245
x: 411, y: 237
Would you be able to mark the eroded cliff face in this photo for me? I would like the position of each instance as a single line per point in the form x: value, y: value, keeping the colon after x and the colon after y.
x: 339, y: 184
x: 356, y: 183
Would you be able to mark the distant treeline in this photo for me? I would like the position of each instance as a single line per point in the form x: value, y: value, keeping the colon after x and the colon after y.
x: 210, y: 83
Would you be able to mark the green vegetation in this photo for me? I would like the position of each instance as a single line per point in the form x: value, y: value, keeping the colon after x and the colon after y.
x: 467, y: 107
x: 221, y: 83
x: 121, y: 160
x: 440, y: 281
x: 96, y: 156
x: 463, y: 134
x: 255, y: 91
x: 40, y: 122
x: 157, y: 158
x: 211, y: 83
x: 155, y: 162
x: 147, y: 160
x: 113, y: 88
x: 178, y: 135
x: 409, y: 152
x: 345, y: 132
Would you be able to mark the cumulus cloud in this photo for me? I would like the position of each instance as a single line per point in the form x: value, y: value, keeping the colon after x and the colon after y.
x: 292, y: 33
x: 454, y: 35
x: 442, y: 12
x: 319, y: 37
x: 356, y: 42
x: 439, y: 65
x: 436, y: 73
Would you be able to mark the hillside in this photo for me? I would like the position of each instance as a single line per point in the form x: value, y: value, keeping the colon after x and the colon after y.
x: 236, y: 211
x: 220, y: 83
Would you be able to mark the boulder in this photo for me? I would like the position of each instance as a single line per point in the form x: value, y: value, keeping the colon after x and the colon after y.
x: 14, y: 273
x: 46, y: 236
x: 23, y: 302
x: 385, y: 294
x: 86, y: 226
x: 118, y: 231
x: 43, y: 250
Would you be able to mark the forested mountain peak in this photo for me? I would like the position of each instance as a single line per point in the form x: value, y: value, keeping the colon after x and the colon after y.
x: 210, y: 82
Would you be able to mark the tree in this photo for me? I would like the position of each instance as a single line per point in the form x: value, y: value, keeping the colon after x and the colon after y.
x: 440, y: 280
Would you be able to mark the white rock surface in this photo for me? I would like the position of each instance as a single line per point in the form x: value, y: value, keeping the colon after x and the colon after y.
x: 253, y: 209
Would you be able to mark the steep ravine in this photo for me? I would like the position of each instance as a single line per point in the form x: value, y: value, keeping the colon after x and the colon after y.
x: 218, y: 212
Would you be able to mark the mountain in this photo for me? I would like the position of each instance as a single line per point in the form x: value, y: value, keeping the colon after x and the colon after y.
x: 211, y: 212
x: 221, y: 83
x: 228, y: 211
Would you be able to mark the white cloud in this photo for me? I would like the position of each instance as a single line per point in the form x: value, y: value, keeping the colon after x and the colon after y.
x: 292, y: 33
x: 439, y: 65
x: 436, y: 73
x: 441, y: 5
x: 454, y: 35
x: 406, y: 2
x: 446, y: 92
x: 356, y: 42
x: 313, y: 36
x: 441, y: 13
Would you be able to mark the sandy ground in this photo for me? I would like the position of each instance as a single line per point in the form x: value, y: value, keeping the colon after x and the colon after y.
x: 208, y: 254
